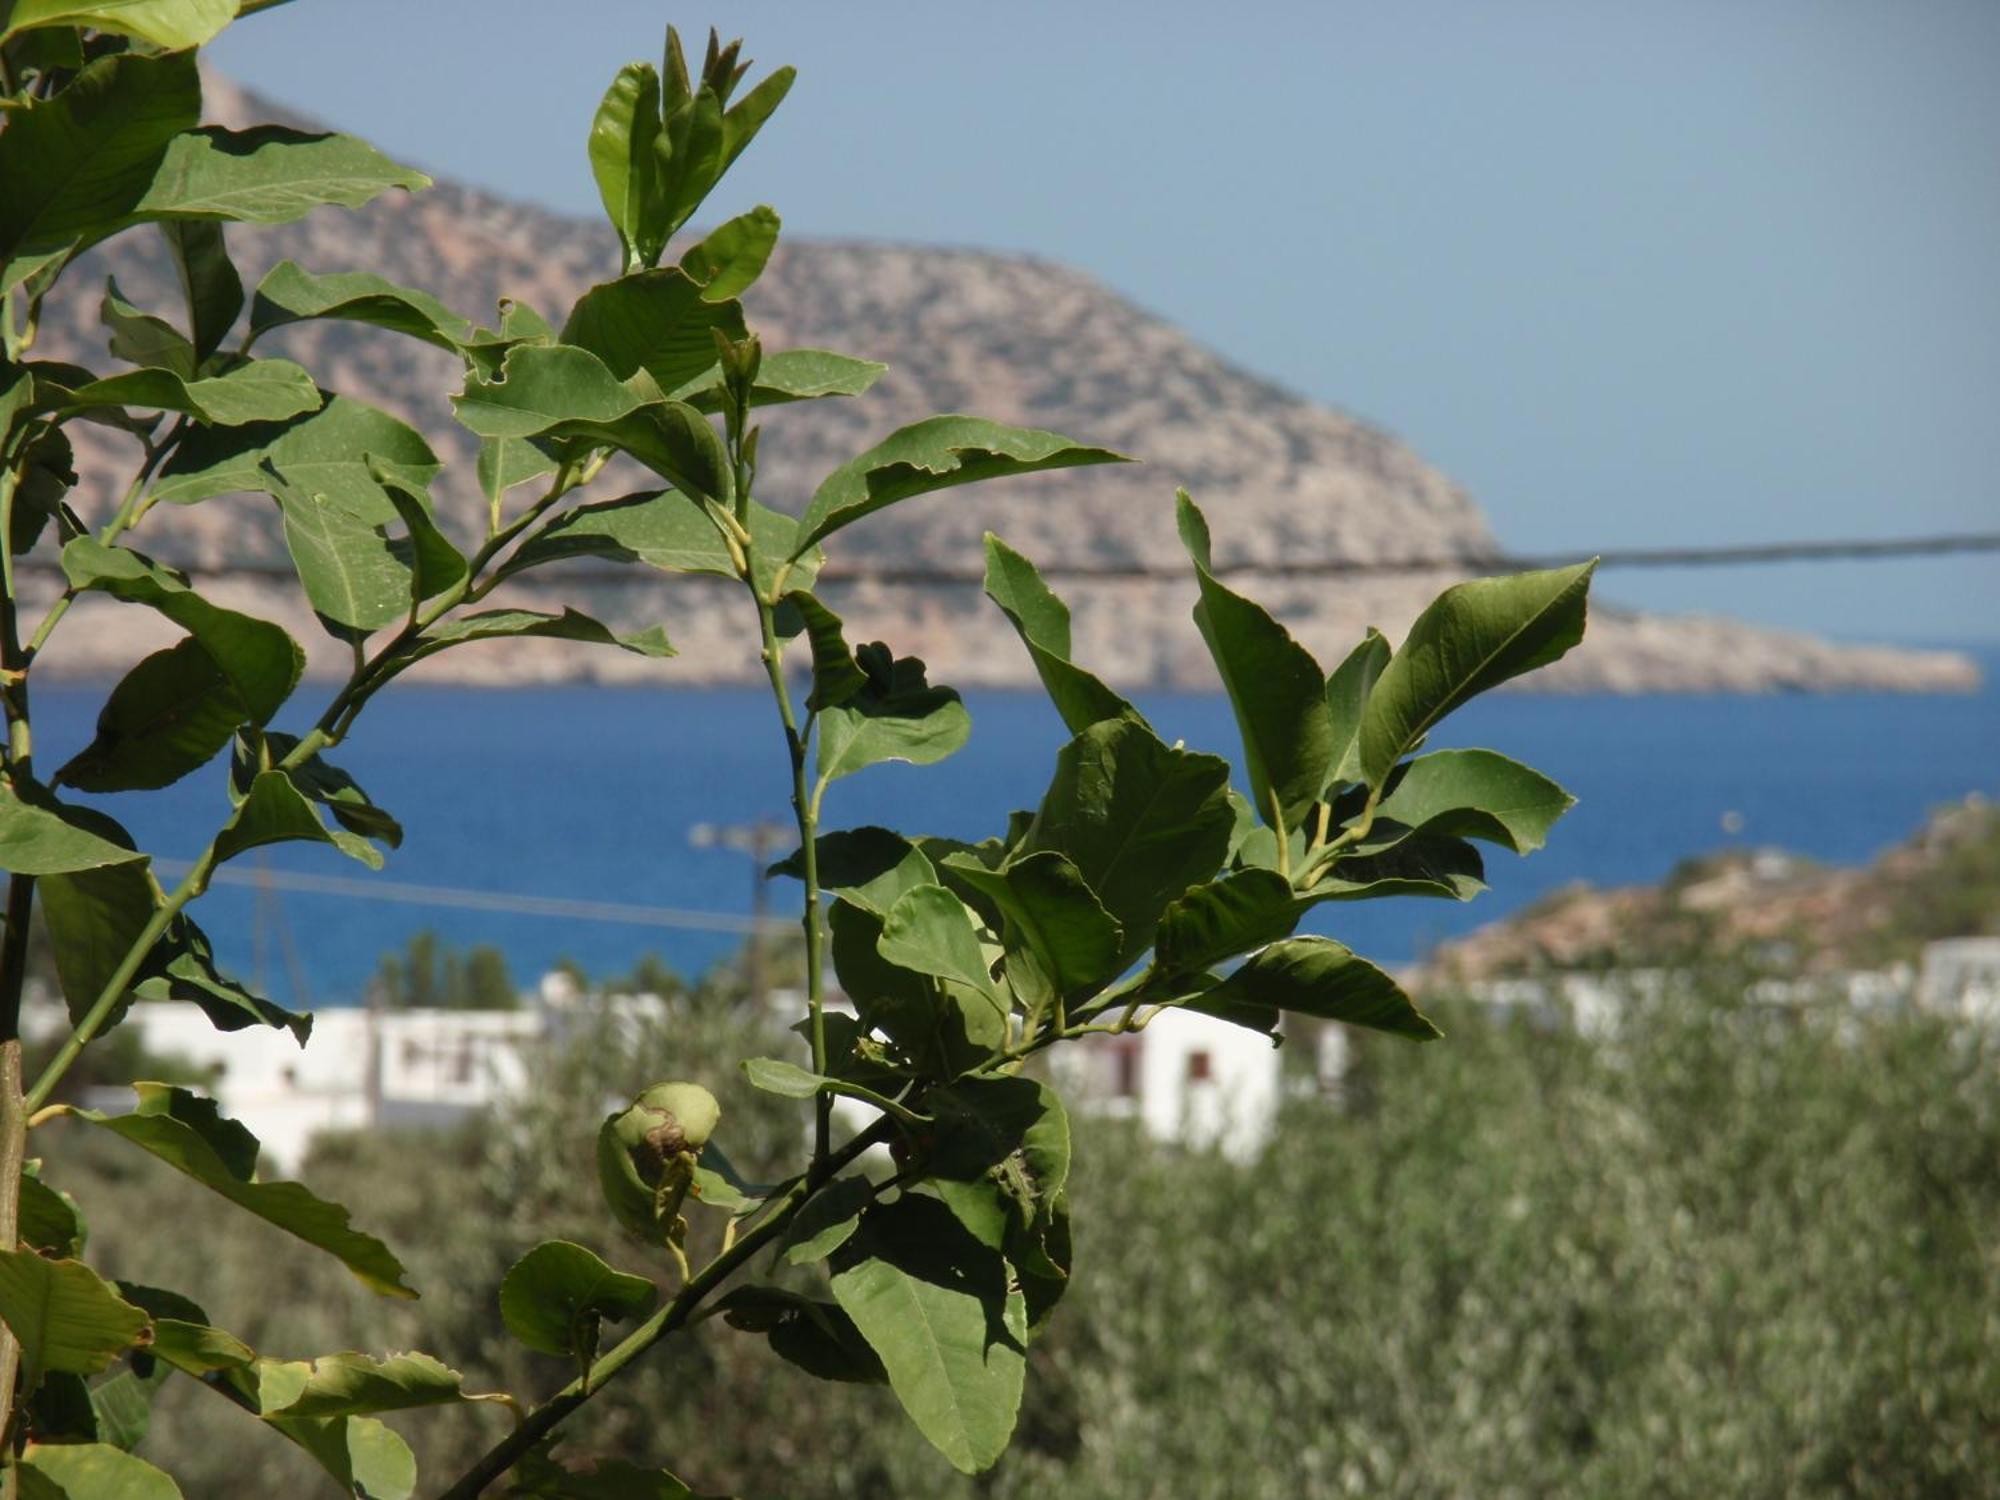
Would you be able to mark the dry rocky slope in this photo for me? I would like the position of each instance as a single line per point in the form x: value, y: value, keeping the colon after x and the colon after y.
x: 1009, y: 337
x: 1943, y: 882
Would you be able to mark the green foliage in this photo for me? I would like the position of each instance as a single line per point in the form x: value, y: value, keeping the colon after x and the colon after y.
x: 1725, y: 1252
x: 430, y: 974
x: 557, y: 1294
x: 66, y: 1318
x: 1141, y: 884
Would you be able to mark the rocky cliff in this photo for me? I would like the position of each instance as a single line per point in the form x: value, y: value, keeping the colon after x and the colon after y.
x: 1010, y: 337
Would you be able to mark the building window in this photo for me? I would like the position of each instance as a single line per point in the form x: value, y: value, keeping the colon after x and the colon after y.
x: 1199, y: 1068
x: 1125, y: 1079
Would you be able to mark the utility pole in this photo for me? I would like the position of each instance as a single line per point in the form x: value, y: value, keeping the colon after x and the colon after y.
x: 760, y: 840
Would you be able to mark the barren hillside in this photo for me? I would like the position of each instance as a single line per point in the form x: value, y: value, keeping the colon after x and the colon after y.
x: 1009, y: 337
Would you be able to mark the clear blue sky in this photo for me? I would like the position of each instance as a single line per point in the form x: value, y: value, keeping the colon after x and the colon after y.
x: 1664, y: 274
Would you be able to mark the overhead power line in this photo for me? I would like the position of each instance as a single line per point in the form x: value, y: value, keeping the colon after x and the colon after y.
x: 1864, y: 549
x: 1506, y: 562
x: 463, y: 899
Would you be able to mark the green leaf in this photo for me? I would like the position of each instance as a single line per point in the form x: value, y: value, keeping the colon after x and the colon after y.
x: 276, y: 810
x: 1042, y: 622
x: 819, y: 1337
x: 268, y: 174
x: 355, y: 578
x: 182, y: 1340
x: 1060, y: 941
x: 1316, y: 976
x: 187, y: 1133
x: 936, y: 1306
x: 1276, y: 689
x: 624, y: 159
x: 320, y: 781
x: 1347, y: 691
x: 264, y: 390
x: 828, y: 1220
x: 1043, y: 1261
x: 197, y: 1348
x: 897, y: 716
x: 554, y: 1297
x: 261, y: 661
x: 930, y: 931
x: 64, y: 1315
x: 182, y: 967
x: 94, y: 917
x: 123, y: 1406
x: 936, y: 454
x: 506, y: 462
x: 690, y: 161
x: 786, y: 376
x: 40, y: 836
x: 1233, y: 915
x: 837, y: 677
x: 73, y: 167
x: 663, y: 322
x: 365, y: 1456
x: 788, y: 1080
x: 1013, y: 1131
x: 541, y: 387
x: 1474, y: 794
x: 1474, y: 636
x: 47, y: 468
x: 871, y: 867
x: 209, y: 283
x: 1422, y: 865
x: 354, y: 1385
x: 1140, y: 822
x: 435, y: 564
x: 328, y: 452
x: 139, y: 338
x: 288, y: 294
x: 49, y: 1220
x: 902, y: 1003
x: 570, y: 625
x: 169, y: 25
x: 92, y: 1471
x: 559, y: 392
x: 743, y: 119
x: 733, y: 255
x: 666, y: 530
x: 170, y: 715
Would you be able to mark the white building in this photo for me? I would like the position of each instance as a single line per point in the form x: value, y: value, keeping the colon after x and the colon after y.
x: 1961, y: 976
x: 365, y: 1068
x: 1188, y: 1078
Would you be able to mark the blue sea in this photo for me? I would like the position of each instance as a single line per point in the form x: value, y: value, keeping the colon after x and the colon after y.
x: 591, y: 793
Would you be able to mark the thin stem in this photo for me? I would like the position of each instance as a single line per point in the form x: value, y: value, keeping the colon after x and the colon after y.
x: 901, y: 1112
x: 1354, y: 835
x: 1284, y: 835
x: 538, y: 1423
x: 113, y: 994
x: 19, y: 756
x: 131, y: 507
x: 805, y: 811
x: 1322, y: 827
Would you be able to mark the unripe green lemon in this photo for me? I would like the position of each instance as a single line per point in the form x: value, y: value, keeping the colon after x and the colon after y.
x: 646, y: 1154
x: 686, y: 1108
